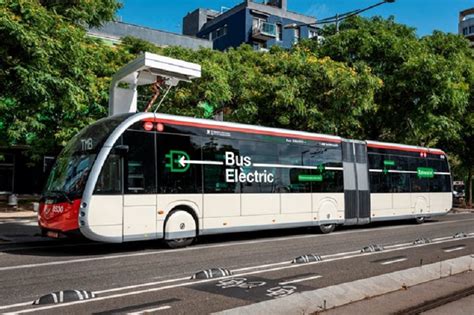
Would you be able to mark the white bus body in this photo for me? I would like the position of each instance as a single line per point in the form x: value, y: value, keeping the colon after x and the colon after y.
x: 154, y: 176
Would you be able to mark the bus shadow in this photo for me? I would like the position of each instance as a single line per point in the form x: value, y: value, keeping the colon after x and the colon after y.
x: 81, y: 247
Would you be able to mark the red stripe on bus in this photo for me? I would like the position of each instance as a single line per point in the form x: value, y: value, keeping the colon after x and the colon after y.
x: 236, y: 129
x: 381, y: 146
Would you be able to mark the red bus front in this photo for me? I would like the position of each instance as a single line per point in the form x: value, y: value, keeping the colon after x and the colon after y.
x: 60, y: 204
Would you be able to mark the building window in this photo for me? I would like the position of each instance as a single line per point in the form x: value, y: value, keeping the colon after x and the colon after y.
x: 464, y: 31
x: 297, y: 34
x: 471, y: 29
x: 221, y: 31
x: 279, y: 32
x: 256, y: 22
x: 312, y: 33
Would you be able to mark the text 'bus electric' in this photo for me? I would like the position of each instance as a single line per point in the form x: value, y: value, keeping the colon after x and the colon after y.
x: 141, y: 176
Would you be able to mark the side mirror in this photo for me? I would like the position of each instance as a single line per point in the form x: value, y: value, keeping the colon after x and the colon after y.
x: 121, y: 149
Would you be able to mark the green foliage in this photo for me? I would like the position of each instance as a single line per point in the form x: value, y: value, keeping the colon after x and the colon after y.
x: 374, y: 79
x: 425, y: 91
x: 281, y: 89
x: 428, y: 87
x: 86, y: 12
x: 53, y: 79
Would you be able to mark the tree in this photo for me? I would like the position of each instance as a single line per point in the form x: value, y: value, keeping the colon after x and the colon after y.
x: 424, y: 92
x: 53, y: 78
x: 284, y: 89
x: 84, y: 12
x: 427, y: 92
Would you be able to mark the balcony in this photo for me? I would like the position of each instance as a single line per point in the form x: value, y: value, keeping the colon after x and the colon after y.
x: 264, y: 31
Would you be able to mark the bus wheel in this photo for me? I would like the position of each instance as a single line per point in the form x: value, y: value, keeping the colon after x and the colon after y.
x: 327, y: 228
x: 180, y: 229
x: 420, y: 220
x: 179, y: 243
x: 44, y: 232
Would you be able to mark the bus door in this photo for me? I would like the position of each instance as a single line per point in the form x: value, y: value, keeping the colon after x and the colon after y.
x: 139, y: 198
x: 356, y: 182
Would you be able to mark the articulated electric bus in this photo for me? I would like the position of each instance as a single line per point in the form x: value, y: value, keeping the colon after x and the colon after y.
x: 152, y: 176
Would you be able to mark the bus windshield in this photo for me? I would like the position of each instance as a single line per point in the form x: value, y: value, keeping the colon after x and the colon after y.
x: 71, y: 170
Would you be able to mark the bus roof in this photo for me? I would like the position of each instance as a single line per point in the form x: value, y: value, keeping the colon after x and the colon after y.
x: 278, y: 132
x: 402, y: 147
x: 236, y: 127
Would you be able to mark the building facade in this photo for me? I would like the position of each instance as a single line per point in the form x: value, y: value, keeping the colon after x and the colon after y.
x: 466, y: 24
x: 260, y: 24
x: 112, y: 32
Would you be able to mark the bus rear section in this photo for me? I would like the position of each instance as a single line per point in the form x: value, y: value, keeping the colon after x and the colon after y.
x: 408, y: 182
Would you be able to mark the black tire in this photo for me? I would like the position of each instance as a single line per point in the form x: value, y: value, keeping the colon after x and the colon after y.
x: 44, y: 232
x: 326, y: 228
x: 420, y: 220
x: 179, y: 243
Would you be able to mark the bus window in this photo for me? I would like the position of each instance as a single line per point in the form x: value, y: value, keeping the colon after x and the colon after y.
x: 214, y: 149
x: 295, y: 179
x: 399, y: 182
x: 176, y: 175
x: 140, y: 162
x: 418, y: 184
x: 261, y: 179
x: 332, y: 180
x: 110, y: 179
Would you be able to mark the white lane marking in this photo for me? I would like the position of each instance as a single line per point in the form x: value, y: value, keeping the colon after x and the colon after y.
x: 449, y: 250
x: 55, y: 263
x: 389, y: 262
x: 300, y: 280
x: 291, y: 266
x: 16, y: 305
x: 141, y: 285
x: 151, y: 310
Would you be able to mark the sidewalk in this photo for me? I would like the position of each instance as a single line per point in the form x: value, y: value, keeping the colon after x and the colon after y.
x: 412, y: 299
x: 397, y: 292
x: 22, y: 211
x: 17, y: 214
x: 462, y: 210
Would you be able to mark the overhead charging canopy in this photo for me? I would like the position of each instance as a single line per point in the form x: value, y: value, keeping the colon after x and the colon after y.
x: 146, y: 70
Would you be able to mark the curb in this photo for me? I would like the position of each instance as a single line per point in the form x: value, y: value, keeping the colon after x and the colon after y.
x: 333, y: 296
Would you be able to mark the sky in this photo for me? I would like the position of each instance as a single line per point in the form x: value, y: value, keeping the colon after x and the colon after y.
x: 425, y: 15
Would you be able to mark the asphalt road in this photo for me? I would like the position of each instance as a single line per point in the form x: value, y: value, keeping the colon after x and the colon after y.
x: 134, y: 277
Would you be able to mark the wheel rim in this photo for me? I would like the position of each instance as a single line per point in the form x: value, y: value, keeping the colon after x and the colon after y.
x: 327, y: 226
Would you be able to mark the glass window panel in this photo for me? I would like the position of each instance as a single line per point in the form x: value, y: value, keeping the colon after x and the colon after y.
x: 110, y: 179
x: 262, y: 178
x: 175, y: 174
x: 215, y: 180
x: 140, y: 162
